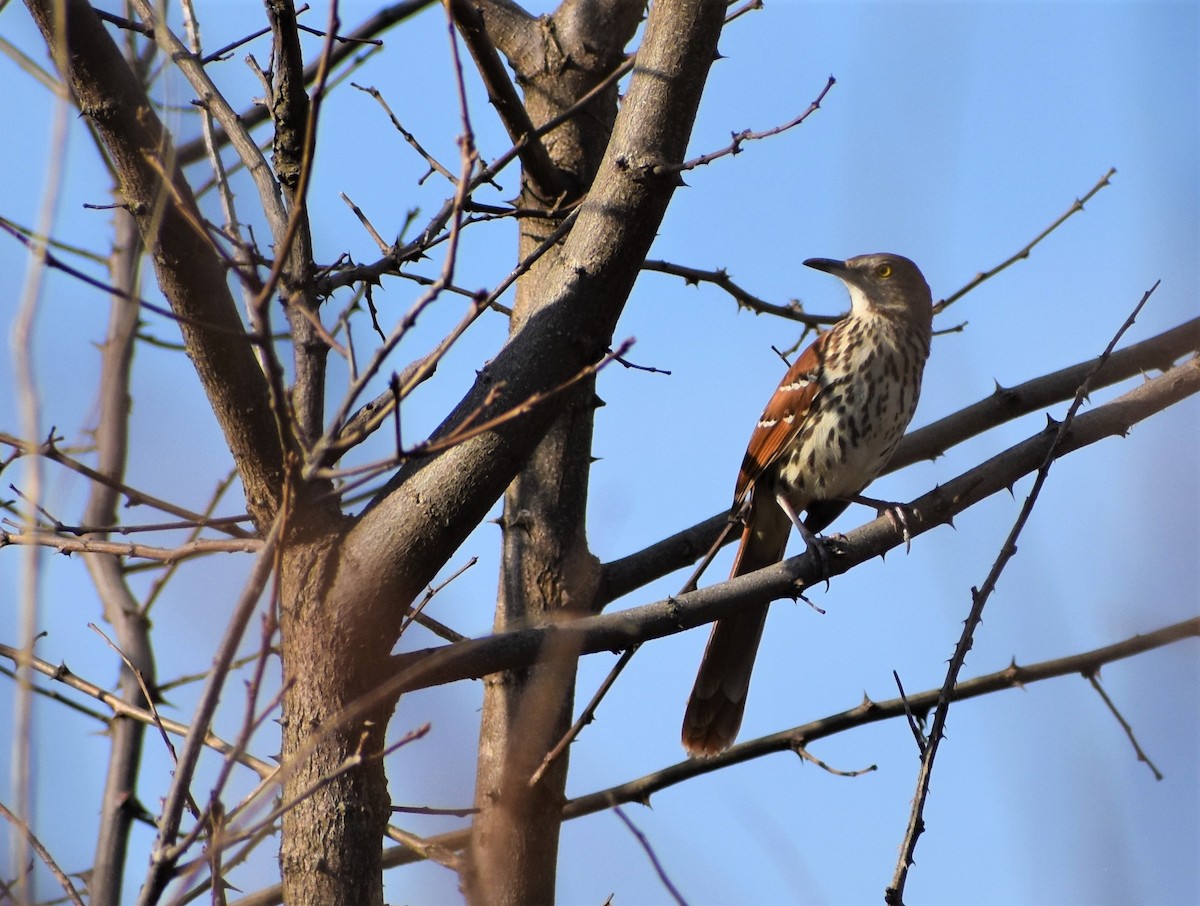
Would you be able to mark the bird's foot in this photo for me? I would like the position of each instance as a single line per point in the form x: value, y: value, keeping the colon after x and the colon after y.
x: 897, y: 514
x: 824, y: 550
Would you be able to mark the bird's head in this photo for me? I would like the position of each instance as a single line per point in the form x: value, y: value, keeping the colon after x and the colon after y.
x: 884, y: 283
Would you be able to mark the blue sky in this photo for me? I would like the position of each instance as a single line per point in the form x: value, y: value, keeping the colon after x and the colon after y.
x: 956, y: 132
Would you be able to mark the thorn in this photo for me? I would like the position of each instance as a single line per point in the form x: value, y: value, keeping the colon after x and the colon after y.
x: 801, y: 596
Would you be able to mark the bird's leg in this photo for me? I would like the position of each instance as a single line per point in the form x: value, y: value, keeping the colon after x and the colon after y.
x: 814, y: 543
x: 897, y: 513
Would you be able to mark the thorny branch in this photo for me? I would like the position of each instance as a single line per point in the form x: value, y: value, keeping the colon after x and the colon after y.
x: 133, y: 496
x: 62, y: 674
x: 44, y: 854
x: 747, y: 135
x: 618, y: 631
x: 744, y: 298
x: 1154, y: 354
x: 1075, y: 207
x: 640, y: 790
x: 979, y: 597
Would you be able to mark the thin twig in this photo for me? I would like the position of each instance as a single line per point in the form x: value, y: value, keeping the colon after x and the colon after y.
x: 165, y: 576
x: 469, y: 157
x: 278, y: 780
x: 53, y: 261
x: 413, y: 613
x: 808, y: 756
x: 429, y: 810
x: 367, y: 225
x: 1024, y: 253
x: 586, y: 716
x: 649, y: 850
x: 129, y: 548
x: 746, y: 135
x: 894, y: 894
x: 133, y: 497
x: 719, y: 278
x: 913, y: 723
x: 1142, y: 756
x: 162, y: 859
x: 435, y: 165
x: 538, y: 166
x: 63, y: 674
x: 589, y: 712
x: 431, y: 851
x: 35, y: 844
x: 149, y: 699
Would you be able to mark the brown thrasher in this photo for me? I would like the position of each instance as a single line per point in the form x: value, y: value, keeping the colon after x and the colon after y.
x: 827, y: 432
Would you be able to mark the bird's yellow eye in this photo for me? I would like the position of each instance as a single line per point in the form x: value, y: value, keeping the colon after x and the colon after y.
x: 883, y: 271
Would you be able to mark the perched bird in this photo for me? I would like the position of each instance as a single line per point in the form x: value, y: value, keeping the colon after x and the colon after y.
x: 827, y: 432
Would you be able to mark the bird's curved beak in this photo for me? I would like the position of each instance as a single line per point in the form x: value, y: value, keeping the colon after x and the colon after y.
x: 829, y: 265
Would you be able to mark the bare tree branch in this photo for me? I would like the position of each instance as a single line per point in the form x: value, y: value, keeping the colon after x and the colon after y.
x: 163, y: 857
x: 256, y: 115
x: 190, y: 273
x: 979, y: 597
x: 615, y: 631
x: 43, y: 854
x: 503, y: 95
x: 1075, y: 207
x: 749, y: 135
x: 177, y: 554
x: 1006, y: 403
x: 624, y: 207
x: 63, y: 674
x: 868, y: 712
x: 793, y: 311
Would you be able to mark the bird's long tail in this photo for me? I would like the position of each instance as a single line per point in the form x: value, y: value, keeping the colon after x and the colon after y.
x: 718, y: 699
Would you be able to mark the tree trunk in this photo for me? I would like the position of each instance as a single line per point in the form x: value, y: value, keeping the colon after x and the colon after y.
x: 547, y: 571
x: 331, y: 847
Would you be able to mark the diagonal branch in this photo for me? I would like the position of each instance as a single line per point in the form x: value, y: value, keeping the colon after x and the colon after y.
x: 190, y: 273
x: 257, y: 114
x: 504, y: 97
x: 979, y: 598
x: 1155, y: 354
x: 431, y: 505
x: 1075, y: 208
x: 61, y: 673
x: 868, y: 712
x: 617, y: 631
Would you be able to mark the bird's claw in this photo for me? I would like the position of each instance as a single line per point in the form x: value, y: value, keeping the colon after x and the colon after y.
x: 824, y: 549
x: 897, y: 514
